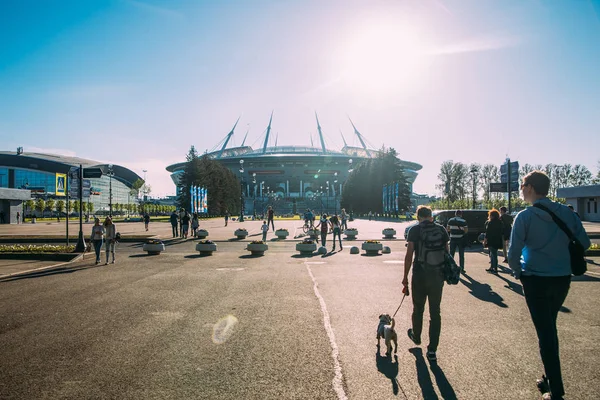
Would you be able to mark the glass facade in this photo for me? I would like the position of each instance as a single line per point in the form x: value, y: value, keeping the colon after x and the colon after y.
x: 120, y: 193
x: 3, y: 177
x: 36, y: 181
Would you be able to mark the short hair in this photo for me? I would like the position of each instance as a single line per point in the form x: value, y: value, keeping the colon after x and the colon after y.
x: 264, y: 222
x: 539, y: 181
x: 424, y: 212
x: 503, y: 209
x: 458, y: 213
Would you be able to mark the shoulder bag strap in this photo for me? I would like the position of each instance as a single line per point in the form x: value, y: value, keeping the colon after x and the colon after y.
x: 558, y: 222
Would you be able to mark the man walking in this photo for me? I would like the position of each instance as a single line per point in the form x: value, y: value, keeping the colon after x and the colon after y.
x: 457, y: 228
x: 539, y: 256
x: 429, y: 242
x: 174, y: 219
x: 270, y: 216
x: 507, y: 221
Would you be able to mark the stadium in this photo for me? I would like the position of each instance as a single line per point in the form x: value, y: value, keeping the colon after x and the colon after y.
x: 25, y: 175
x: 292, y: 178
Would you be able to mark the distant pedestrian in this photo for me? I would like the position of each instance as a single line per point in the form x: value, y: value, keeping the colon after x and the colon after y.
x: 195, y: 224
x: 270, y: 217
x: 174, y: 219
x: 226, y: 217
x: 370, y: 215
x: 110, y: 231
x: 97, y: 238
x: 337, y: 231
x: 507, y: 222
x: 344, y: 219
x: 2, y: 217
x: 493, y: 238
x: 539, y: 256
x: 458, y: 229
x: 324, y: 225
x: 428, y: 242
x: 264, y: 228
x: 185, y: 224
x: 18, y: 217
x: 146, y: 220
x: 182, y: 213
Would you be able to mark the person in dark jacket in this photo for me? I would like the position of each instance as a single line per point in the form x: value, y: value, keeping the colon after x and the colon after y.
x: 493, y: 238
x: 507, y: 222
x: 174, y: 222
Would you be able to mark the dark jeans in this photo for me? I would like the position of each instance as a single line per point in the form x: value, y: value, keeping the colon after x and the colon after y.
x: 544, y: 296
x: 427, y: 285
x: 493, y: 258
x: 97, y: 248
x: 270, y: 221
x: 175, y: 233
x: 324, y: 238
x: 337, y: 232
x: 460, y: 244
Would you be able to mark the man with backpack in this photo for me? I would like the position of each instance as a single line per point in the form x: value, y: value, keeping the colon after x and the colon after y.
x: 428, y: 241
x: 540, y: 256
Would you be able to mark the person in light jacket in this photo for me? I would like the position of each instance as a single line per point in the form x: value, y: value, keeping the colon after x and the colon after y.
x: 97, y: 238
x: 110, y: 234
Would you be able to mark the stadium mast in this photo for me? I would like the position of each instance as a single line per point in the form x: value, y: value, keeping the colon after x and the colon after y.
x: 229, y: 135
x: 245, y: 136
x: 320, y: 134
x: 343, y: 138
x: 267, y: 136
x: 360, y: 137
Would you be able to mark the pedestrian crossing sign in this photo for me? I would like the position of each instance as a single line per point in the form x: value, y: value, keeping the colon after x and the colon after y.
x: 61, y: 183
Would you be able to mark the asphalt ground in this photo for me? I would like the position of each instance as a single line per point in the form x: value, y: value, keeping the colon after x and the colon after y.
x: 181, y: 326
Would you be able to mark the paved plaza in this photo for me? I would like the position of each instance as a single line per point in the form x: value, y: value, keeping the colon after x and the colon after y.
x: 281, y: 326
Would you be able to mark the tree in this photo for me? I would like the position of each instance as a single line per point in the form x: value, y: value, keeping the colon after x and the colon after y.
x: 581, y: 176
x: 29, y: 205
x: 60, y: 207
x: 50, y: 205
x: 76, y: 206
x: 40, y: 205
x: 362, y: 191
x: 90, y: 207
x: 135, y: 187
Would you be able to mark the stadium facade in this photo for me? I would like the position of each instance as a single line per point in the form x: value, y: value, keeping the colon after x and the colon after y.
x: 43, y: 176
x: 292, y: 178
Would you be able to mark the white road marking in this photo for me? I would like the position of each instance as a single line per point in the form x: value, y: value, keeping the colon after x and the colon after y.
x: 338, y: 378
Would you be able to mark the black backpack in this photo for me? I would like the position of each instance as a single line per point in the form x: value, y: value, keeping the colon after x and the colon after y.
x: 432, y: 246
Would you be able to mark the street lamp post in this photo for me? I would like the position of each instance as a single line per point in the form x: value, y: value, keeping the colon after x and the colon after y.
x: 110, y: 175
x: 474, y: 171
x: 241, y: 190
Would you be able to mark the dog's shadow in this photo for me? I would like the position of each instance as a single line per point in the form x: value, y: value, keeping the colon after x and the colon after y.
x: 388, y: 366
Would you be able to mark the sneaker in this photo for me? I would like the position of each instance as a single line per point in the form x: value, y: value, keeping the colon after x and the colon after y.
x: 106, y: 263
x: 112, y: 262
x: 542, y: 384
x: 431, y: 356
x: 411, y: 336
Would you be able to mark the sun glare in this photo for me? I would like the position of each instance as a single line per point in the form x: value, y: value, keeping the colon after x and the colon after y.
x: 384, y: 59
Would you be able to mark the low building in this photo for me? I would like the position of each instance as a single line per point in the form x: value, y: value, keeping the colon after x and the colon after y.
x: 11, y: 205
x: 584, y: 200
x: 46, y: 176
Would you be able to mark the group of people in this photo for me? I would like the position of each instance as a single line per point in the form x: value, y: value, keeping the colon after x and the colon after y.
x: 104, y: 234
x: 538, y: 255
x: 180, y: 223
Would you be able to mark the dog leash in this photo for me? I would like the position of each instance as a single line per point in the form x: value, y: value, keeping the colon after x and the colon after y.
x: 402, y: 301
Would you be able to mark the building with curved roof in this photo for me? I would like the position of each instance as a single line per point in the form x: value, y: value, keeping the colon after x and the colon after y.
x: 45, y: 176
x: 302, y: 175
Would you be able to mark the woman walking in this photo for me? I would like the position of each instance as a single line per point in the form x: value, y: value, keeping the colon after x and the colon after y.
x: 185, y: 224
x: 97, y: 236
x: 335, y: 224
x: 195, y: 224
x: 324, y: 225
x: 493, y: 238
x: 110, y: 231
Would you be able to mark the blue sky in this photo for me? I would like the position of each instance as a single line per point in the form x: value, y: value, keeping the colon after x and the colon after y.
x: 137, y: 82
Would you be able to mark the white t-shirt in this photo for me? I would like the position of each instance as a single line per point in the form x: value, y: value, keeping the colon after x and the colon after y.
x: 111, y: 231
x: 97, y: 232
x: 265, y: 228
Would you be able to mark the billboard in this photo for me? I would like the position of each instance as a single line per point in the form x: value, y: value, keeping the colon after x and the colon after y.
x: 61, y: 184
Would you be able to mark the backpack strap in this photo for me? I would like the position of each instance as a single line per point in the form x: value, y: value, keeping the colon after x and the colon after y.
x: 559, y: 222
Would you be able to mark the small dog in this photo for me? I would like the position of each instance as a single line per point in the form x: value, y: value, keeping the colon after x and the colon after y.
x: 386, y: 330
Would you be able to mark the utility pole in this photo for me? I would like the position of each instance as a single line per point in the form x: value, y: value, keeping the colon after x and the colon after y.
x: 80, y: 248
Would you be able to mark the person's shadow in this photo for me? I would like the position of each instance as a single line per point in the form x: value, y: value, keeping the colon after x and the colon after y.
x: 388, y: 367
x: 424, y: 378
x: 482, y: 291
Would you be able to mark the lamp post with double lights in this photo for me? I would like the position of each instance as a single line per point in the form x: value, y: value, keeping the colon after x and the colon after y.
x: 335, y: 192
x: 110, y: 175
x: 241, y: 190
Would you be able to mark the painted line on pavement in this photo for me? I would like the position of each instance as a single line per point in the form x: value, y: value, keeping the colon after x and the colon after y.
x: 338, y: 379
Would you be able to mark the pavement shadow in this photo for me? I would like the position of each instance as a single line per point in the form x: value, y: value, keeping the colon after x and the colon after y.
x: 585, y: 278
x: 246, y: 256
x: 591, y: 262
x: 482, y: 291
x: 142, y: 255
x: 48, y: 272
x: 423, y: 376
x: 371, y: 255
x: 304, y: 255
x: 197, y: 255
x: 442, y: 383
x: 513, y: 286
x: 388, y: 367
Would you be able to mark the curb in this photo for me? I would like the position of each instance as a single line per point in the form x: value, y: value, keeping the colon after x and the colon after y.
x: 77, y: 258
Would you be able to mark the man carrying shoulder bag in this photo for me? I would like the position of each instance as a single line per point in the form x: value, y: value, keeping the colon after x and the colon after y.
x: 539, y: 255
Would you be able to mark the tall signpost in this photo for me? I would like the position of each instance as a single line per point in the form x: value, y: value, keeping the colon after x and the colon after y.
x: 509, y: 180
